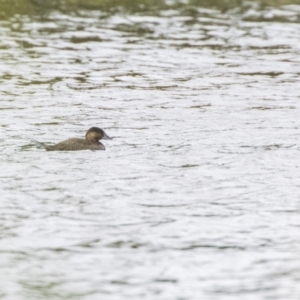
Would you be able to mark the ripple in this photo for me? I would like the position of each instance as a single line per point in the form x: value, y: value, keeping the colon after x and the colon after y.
x: 196, y: 195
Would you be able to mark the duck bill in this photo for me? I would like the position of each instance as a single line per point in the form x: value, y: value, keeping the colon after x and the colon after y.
x: 106, y: 137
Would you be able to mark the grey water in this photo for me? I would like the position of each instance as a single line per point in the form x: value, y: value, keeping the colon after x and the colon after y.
x: 196, y: 197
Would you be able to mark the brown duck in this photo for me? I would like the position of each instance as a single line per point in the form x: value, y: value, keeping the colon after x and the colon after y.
x: 91, y: 142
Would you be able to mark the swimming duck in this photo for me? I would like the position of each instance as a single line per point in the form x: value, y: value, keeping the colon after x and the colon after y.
x: 91, y: 142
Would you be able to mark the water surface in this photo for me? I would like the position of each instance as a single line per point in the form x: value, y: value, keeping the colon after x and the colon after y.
x: 196, y: 197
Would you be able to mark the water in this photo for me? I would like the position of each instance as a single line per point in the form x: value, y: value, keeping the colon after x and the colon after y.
x: 196, y: 197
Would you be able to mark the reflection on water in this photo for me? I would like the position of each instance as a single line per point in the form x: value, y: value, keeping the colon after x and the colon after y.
x: 33, y: 7
x: 196, y: 195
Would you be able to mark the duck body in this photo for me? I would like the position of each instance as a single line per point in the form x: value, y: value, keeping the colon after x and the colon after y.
x: 75, y: 144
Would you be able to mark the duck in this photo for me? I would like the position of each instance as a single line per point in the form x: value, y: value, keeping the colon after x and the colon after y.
x: 91, y: 142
